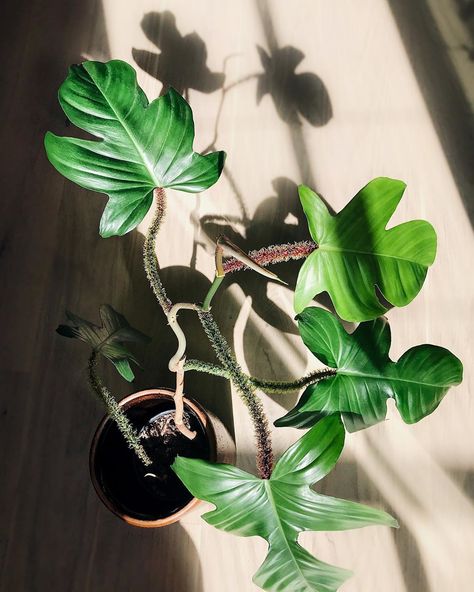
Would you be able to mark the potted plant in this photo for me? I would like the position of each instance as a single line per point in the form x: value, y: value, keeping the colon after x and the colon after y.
x: 131, y: 468
x: 144, y: 149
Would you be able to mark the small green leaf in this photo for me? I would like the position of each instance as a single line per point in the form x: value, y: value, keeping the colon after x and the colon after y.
x: 123, y: 368
x: 141, y: 145
x: 107, y: 339
x: 279, y: 508
x: 366, y: 377
x: 356, y: 253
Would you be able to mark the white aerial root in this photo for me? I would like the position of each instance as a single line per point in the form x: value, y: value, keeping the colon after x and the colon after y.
x: 176, y: 364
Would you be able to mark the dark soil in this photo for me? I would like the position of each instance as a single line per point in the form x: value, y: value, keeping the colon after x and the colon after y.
x: 153, y: 492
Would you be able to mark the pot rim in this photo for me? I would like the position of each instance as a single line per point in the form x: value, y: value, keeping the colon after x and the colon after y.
x: 130, y: 401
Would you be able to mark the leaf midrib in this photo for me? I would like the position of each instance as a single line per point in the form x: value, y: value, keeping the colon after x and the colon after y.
x: 140, y: 153
x: 109, y: 336
x: 329, y: 248
x: 268, y: 489
x: 344, y: 372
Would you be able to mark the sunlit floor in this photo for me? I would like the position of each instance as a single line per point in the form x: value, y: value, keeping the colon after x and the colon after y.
x: 324, y: 93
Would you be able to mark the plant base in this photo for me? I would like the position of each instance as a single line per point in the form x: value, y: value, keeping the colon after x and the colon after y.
x: 150, y: 496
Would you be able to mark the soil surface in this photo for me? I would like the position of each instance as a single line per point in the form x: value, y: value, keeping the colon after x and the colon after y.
x: 153, y: 492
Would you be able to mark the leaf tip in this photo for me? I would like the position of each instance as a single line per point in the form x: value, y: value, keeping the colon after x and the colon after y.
x: 66, y: 331
x: 105, y: 231
x: 222, y: 156
x: 124, y: 369
x: 47, y: 137
x: 304, y: 191
x: 298, y: 303
x: 48, y: 142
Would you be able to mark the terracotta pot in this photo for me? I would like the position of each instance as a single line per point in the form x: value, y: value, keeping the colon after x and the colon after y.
x: 135, y: 494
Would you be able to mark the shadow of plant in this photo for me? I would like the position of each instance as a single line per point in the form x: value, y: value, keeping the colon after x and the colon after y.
x: 294, y: 95
x: 181, y: 62
x: 278, y: 218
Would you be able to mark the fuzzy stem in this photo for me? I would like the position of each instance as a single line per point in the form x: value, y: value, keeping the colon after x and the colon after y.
x: 244, y: 385
x: 269, y: 386
x: 152, y: 272
x: 246, y: 391
x: 116, y: 413
x: 288, y: 386
x: 149, y: 256
x: 273, y: 254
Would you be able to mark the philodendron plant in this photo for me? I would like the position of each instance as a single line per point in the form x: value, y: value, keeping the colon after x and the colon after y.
x: 143, y: 148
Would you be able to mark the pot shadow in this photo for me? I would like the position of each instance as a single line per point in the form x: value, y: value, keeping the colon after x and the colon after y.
x: 181, y: 62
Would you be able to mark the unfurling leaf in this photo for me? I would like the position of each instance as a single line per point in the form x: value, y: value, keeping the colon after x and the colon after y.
x: 279, y: 508
x: 108, y: 339
x: 356, y: 253
x: 366, y: 377
x: 142, y: 145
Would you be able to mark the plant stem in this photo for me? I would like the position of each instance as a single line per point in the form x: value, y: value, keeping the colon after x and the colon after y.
x: 269, y: 386
x: 273, y: 254
x: 244, y: 385
x: 180, y: 336
x: 284, y: 386
x: 116, y: 413
x: 206, y: 305
x: 176, y: 364
x: 179, y: 404
x: 246, y: 391
x: 149, y: 255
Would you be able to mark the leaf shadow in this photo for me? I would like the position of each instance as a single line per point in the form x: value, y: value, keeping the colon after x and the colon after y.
x: 182, y: 59
x: 296, y: 96
x: 279, y: 215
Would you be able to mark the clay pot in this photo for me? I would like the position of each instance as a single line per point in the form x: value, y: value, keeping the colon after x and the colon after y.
x: 153, y: 496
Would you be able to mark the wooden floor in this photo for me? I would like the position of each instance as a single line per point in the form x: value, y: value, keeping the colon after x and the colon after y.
x: 357, y: 90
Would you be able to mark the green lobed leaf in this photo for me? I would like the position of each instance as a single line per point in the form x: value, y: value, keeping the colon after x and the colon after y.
x: 107, y: 339
x: 356, y: 253
x: 141, y: 145
x: 279, y: 508
x: 366, y: 376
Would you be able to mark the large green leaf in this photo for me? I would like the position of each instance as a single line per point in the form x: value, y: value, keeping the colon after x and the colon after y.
x: 142, y: 145
x: 356, y: 253
x: 279, y: 508
x: 366, y: 376
x: 108, y: 339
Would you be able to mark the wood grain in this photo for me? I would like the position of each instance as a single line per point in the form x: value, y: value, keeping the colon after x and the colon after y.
x: 356, y: 106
